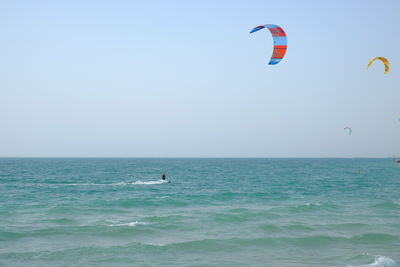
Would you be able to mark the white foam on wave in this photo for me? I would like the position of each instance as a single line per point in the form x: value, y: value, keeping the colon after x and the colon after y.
x: 307, y: 204
x: 380, y: 261
x: 151, y: 182
x: 130, y: 224
x: 121, y: 183
x: 155, y: 244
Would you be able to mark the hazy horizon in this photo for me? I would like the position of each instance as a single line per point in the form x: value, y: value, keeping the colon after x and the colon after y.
x: 67, y: 157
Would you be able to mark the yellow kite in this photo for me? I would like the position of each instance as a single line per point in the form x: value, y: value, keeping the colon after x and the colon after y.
x: 384, y: 60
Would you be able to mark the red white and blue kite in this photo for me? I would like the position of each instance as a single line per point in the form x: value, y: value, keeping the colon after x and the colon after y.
x: 280, y: 41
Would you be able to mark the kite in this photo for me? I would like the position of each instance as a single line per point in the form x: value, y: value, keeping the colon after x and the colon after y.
x: 280, y: 42
x: 385, y: 62
x: 349, y: 129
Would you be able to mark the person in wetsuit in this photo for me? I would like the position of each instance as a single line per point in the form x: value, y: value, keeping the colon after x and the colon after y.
x: 164, y: 176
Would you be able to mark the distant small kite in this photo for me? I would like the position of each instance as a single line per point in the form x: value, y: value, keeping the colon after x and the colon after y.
x: 280, y: 41
x: 348, y: 129
x: 385, y: 62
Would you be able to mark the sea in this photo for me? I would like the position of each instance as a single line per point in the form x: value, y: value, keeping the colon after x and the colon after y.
x: 213, y: 212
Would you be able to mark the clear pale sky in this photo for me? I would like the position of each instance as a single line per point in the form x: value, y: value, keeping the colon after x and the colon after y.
x: 186, y: 79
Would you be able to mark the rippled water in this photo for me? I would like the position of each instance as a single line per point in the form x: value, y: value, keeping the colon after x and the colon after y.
x: 255, y: 212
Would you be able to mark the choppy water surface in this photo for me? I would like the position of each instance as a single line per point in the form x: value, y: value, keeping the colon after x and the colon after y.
x: 254, y: 212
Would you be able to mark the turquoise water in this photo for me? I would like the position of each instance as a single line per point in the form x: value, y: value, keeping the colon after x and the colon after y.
x: 215, y: 212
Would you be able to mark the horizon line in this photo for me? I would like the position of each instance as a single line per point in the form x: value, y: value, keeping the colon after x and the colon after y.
x: 180, y: 157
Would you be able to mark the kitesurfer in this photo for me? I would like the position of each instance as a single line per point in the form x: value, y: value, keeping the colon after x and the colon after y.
x: 164, y: 176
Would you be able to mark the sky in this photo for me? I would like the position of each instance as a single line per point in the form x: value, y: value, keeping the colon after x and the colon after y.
x: 186, y: 79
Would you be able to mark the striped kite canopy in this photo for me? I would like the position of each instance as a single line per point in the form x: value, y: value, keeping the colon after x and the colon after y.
x: 280, y: 41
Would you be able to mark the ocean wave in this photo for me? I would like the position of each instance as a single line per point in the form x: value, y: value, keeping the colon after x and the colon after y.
x: 77, y: 231
x: 374, y: 237
x: 232, y: 243
x: 298, y: 227
x: 388, y: 205
x: 380, y: 261
x: 311, y: 242
x: 140, y: 202
x: 121, y: 183
x: 154, y: 244
x: 307, y: 241
x: 310, y: 207
x: 130, y: 224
